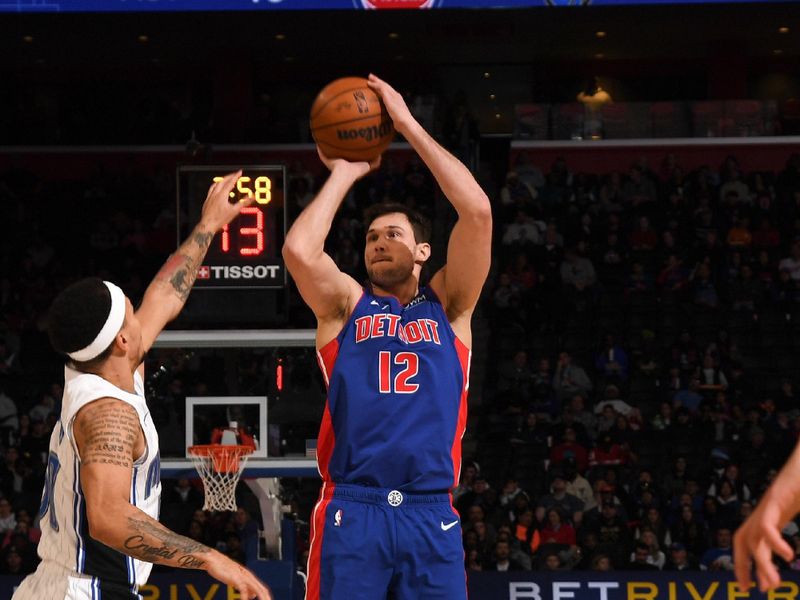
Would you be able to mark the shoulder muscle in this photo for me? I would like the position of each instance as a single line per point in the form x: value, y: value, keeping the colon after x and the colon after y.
x: 106, y: 432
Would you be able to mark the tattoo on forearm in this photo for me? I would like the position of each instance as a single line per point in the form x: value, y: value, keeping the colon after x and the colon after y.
x: 190, y: 562
x: 203, y: 239
x: 173, y: 548
x: 108, y: 431
x: 179, y: 271
x: 161, y: 533
x: 137, y: 548
x: 136, y: 545
x: 183, y: 279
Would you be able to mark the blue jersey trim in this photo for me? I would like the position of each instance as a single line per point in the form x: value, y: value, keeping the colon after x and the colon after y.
x: 81, y: 552
x: 128, y: 559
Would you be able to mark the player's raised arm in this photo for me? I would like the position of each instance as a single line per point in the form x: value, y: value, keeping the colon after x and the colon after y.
x: 167, y: 293
x: 106, y: 434
x: 459, y: 283
x: 328, y: 292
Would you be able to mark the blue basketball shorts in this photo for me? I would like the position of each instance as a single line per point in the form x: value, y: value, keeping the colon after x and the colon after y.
x: 367, y: 541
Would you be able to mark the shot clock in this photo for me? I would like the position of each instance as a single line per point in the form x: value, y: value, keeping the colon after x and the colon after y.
x: 247, y: 252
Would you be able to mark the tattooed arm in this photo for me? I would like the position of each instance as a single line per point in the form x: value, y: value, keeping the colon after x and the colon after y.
x: 109, y: 438
x: 168, y: 292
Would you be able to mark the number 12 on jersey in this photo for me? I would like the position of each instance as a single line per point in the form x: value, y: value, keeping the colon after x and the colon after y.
x: 404, y: 365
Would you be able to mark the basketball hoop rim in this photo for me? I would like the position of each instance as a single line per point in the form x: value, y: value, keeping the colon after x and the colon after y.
x: 201, y: 450
x: 220, y: 466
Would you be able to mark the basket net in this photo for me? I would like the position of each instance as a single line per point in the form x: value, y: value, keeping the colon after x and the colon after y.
x: 220, y: 467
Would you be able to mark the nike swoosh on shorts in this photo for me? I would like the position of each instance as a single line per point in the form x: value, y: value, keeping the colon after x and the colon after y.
x: 448, y: 526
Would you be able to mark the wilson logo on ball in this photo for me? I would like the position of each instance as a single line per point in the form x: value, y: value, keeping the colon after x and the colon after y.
x: 368, y: 134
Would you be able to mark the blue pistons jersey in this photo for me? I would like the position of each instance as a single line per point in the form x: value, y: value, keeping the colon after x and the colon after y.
x: 397, y: 379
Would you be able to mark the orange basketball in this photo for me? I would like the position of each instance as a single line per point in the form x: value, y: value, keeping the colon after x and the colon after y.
x: 348, y: 120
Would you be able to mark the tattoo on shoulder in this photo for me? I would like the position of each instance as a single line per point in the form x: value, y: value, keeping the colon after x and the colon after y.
x: 107, y: 432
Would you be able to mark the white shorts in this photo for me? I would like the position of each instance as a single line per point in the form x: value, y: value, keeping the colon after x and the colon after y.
x: 54, y: 582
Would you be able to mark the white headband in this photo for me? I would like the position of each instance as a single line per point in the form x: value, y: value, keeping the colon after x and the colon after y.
x: 116, y: 316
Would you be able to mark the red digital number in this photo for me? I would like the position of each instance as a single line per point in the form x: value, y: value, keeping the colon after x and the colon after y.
x: 226, y: 239
x: 257, y: 232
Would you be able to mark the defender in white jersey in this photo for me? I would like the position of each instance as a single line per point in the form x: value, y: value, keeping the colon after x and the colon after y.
x: 66, y: 545
x: 99, y: 510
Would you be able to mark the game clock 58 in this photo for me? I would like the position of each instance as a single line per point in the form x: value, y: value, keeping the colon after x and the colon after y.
x: 247, y: 252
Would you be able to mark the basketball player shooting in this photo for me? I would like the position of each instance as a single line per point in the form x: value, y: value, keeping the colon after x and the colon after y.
x: 99, y: 511
x: 395, y: 357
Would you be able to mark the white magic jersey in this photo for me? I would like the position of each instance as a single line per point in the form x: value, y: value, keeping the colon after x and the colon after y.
x: 71, y: 560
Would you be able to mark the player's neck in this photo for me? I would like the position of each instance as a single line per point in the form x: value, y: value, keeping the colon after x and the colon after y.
x: 405, y: 292
x: 117, y: 371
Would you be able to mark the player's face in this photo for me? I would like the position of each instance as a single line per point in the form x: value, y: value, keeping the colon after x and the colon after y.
x: 391, y: 250
x: 133, y: 330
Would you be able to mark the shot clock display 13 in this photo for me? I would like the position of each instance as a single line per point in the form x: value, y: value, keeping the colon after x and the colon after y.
x: 247, y: 253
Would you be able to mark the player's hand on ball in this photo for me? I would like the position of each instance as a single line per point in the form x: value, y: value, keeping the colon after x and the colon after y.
x: 356, y: 170
x: 217, y: 208
x: 393, y: 101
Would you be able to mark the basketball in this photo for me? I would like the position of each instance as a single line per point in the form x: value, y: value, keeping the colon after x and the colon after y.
x: 348, y: 120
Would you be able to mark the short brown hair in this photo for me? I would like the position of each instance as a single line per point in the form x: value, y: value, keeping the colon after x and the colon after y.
x: 419, y: 223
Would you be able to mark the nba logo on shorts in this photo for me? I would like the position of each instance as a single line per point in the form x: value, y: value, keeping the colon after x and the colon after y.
x: 397, y: 3
x: 337, y: 518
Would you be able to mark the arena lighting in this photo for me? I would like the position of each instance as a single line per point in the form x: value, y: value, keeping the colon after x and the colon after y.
x: 143, y: 39
x: 393, y: 35
x: 601, y: 34
x: 777, y: 52
x: 280, y: 37
x: 28, y: 39
x: 783, y: 29
x: 599, y: 55
x: 486, y: 74
x: 492, y: 96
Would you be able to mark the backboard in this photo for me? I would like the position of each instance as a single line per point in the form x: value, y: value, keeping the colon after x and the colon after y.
x: 206, y: 416
x: 266, y: 380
